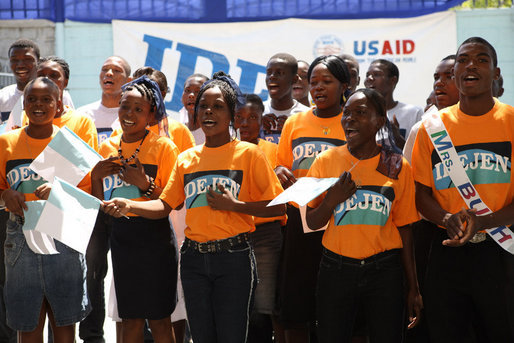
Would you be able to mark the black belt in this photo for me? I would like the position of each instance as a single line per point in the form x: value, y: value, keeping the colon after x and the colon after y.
x: 349, y: 260
x: 219, y: 245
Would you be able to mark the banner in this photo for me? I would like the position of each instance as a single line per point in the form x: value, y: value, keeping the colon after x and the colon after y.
x: 415, y: 45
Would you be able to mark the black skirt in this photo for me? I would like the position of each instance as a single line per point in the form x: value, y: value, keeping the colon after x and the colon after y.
x: 144, y: 261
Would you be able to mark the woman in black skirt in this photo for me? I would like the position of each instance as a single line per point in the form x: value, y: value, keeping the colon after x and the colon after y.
x: 144, y: 255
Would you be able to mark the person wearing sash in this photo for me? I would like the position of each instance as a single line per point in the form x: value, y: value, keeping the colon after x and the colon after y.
x: 470, y: 274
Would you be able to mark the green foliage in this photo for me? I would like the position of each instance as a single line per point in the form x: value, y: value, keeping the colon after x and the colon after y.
x: 485, y: 4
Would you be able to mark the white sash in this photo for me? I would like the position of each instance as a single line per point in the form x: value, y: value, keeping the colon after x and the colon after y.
x: 452, y: 164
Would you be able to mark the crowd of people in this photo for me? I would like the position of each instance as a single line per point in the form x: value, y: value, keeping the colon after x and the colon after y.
x: 410, y: 244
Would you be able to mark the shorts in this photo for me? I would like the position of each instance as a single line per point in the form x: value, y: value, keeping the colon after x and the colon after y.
x: 31, y: 277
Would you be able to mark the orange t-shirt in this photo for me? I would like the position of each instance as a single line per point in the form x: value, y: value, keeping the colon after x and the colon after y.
x: 77, y: 122
x: 157, y: 155
x: 240, y: 167
x: 270, y: 150
x: 18, y: 151
x: 179, y: 134
x: 366, y: 224
x: 484, y: 145
x: 304, y: 136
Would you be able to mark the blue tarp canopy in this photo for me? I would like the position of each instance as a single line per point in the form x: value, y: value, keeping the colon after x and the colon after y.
x: 103, y: 11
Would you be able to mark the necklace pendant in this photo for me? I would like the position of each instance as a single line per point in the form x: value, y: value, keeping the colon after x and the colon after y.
x: 326, y: 130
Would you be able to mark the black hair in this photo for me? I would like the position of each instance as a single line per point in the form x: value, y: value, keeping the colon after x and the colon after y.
x: 155, y: 75
x: 375, y: 99
x: 390, y: 67
x: 337, y: 67
x: 195, y: 75
x: 126, y: 65
x: 145, y: 93
x: 255, y: 100
x: 52, y: 85
x: 290, y: 61
x: 64, y: 65
x: 348, y: 57
x: 449, y: 57
x: 229, y: 94
x: 25, y: 44
x: 480, y: 40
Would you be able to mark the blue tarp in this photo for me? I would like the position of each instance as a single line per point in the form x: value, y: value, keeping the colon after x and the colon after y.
x: 103, y: 11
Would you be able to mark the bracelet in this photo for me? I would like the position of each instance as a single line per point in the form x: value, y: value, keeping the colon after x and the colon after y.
x: 151, y: 188
x: 446, y: 218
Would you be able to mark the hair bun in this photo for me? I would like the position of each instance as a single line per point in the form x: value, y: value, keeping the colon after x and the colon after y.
x: 219, y: 75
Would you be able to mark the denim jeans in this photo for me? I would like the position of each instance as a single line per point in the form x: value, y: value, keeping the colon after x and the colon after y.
x: 218, y: 289
x: 374, y: 285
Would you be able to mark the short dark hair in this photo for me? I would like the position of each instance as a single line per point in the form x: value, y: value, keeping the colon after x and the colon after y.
x: 155, y: 75
x: 480, y: 40
x: 449, y: 57
x: 44, y: 80
x: 290, y: 61
x: 23, y: 44
x: 197, y: 75
x: 124, y: 62
x: 335, y: 65
x: 60, y: 61
x: 375, y: 98
x: 392, y: 69
x: 255, y: 100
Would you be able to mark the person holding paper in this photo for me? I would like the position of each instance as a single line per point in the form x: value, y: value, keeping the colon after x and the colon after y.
x: 470, y: 272
x: 222, y: 184
x: 137, y: 166
x: 367, y: 246
x: 37, y: 285
x: 304, y: 136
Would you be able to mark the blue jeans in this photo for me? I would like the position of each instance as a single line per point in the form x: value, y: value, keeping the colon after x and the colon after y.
x: 218, y: 289
x: 373, y: 285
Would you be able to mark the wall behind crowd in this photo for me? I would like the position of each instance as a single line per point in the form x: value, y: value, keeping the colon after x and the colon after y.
x: 85, y: 46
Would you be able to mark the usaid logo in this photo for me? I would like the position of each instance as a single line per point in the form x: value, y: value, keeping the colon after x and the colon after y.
x: 327, y: 45
x: 386, y: 47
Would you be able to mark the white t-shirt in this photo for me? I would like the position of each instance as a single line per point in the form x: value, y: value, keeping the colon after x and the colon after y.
x: 407, y: 115
x: 296, y: 108
x: 409, y: 143
x: 198, y: 134
x: 104, y: 118
x: 11, y: 100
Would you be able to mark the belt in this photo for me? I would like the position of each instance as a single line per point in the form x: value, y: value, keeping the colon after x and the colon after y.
x: 217, y: 246
x: 360, y: 262
x: 16, y: 218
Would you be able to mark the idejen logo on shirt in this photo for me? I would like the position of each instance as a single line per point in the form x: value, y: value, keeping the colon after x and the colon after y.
x: 197, y: 184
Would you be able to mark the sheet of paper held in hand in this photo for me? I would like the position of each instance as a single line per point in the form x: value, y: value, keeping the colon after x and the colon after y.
x: 304, y: 190
x: 69, y: 215
x: 67, y: 157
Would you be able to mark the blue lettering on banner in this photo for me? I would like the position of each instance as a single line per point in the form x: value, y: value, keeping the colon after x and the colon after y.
x: 188, y: 59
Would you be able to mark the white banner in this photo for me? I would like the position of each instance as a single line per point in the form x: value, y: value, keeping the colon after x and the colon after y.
x: 415, y: 45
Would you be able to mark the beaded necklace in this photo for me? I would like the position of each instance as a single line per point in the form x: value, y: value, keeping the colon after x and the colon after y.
x: 134, y: 155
